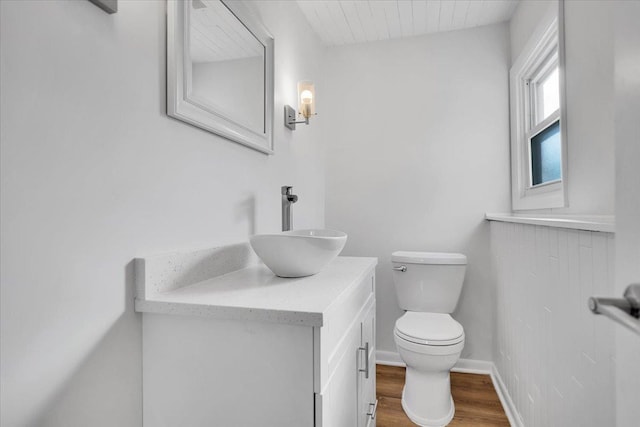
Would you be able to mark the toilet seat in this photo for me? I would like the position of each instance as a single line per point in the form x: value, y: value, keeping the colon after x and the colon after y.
x: 432, y: 329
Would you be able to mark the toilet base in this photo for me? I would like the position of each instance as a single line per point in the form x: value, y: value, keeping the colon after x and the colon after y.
x: 426, y: 422
x: 426, y: 396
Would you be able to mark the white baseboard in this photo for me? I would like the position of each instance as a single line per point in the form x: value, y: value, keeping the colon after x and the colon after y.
x: 507, y: 404
x: 471, y: 366
x: 468, y: 366
x: 389, y: 358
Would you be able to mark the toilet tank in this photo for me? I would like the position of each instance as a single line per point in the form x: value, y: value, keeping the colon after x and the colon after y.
x: 431, y: 282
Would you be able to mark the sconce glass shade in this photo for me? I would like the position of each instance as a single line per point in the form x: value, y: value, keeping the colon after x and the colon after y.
x: 306, y: 99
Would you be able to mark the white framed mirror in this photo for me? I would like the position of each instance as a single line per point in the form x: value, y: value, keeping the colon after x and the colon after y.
x: 220, y: 70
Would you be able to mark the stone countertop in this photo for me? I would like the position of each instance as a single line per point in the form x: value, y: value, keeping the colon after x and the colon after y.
x: 255, y: 293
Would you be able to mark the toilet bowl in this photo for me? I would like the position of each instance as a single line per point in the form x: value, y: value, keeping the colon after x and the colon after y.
x: 426, y: 397
x: 428, y: 339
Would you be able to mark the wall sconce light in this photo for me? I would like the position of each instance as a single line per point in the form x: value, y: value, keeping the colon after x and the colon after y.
x: 306, y: 106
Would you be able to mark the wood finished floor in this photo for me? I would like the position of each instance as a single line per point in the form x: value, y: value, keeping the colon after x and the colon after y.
x: 477, y: 403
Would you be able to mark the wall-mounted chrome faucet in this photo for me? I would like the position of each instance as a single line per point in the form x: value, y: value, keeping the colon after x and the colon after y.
x: 288, y: 198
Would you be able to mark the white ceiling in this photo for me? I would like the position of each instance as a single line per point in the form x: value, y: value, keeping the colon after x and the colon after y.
x: 340, y: 21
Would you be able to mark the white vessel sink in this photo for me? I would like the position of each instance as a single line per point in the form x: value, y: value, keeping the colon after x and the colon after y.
x: 298, y: 253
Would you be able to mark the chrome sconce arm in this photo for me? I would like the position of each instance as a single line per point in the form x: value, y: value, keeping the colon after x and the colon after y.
x: 290, y: 118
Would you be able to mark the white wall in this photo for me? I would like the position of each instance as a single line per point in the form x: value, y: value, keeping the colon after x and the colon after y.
x: 524, y: 21
x: 589, y: 91
x: 555, y: 357
x: 418, y: 151
x: 94, y: 173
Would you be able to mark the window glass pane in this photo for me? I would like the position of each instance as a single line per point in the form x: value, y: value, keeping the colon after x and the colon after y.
x: 550, y: 93
x: 547, y: 99
x: 546, y: 155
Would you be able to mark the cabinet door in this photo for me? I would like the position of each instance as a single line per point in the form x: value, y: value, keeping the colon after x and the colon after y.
x: 338, y: 402
x: 346, y: 388
x: 367, y: 372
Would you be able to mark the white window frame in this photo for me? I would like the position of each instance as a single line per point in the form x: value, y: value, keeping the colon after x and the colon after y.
x: 540, y: 54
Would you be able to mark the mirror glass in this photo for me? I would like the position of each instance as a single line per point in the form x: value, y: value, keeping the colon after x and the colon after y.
x: 227, y: 64
x: 220, y: 70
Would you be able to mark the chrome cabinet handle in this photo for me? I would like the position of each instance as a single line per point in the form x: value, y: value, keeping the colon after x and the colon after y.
x: 372, y: 414
x: 366, y: 359
x: 402, y: 268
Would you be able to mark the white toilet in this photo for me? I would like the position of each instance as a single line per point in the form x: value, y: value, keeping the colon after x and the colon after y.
x: 429, y: 340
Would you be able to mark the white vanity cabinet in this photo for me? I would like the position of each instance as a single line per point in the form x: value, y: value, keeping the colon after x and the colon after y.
x: 367, y: 401
x: 247, y: 348
x: 346, y: 396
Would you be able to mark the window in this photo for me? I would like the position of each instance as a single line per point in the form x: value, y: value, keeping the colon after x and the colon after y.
x: 543, y: 129
x: 537, y: 132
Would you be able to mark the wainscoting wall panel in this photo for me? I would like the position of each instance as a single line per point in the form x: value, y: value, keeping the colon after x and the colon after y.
x: 555, y: 357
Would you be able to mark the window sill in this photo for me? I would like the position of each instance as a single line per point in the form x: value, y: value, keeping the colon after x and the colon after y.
x: 605, y: 223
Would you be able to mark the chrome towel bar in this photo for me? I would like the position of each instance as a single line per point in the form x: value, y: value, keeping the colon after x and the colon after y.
x: 625, y: 311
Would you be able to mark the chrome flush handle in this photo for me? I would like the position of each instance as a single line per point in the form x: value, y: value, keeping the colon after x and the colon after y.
x: 402, y: 268
x: 372, y: 414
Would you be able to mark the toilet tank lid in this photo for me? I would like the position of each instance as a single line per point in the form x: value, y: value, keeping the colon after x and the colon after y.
x: 428, y: 258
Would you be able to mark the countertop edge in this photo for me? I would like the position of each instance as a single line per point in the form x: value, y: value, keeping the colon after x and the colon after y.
x: 296, y: 318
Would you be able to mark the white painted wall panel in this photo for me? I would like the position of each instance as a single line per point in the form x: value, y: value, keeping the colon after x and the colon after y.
x: 405, y: 12
x: 554, y: 356
x: 366, y: 20
x: 350, y: 10
x: 392, y: 17
x: 445, y: 20
x: 337, y: 15
x: 433, y: 15
x: 419, y: 15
